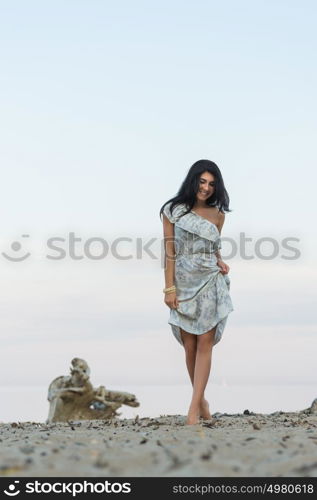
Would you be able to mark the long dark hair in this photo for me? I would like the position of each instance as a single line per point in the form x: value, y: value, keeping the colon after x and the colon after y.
x: 190, y: 186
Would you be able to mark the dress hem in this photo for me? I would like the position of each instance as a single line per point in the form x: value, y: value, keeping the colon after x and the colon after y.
x: 218, y: 335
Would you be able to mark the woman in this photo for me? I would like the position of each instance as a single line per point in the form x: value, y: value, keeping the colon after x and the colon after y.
x: 196, y: 278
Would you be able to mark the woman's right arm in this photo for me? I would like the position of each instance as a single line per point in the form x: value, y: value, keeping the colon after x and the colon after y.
x: 169, y: 262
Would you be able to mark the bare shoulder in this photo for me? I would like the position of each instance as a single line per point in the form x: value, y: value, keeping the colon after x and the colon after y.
x: 221, y: 220
x: 221, y: 216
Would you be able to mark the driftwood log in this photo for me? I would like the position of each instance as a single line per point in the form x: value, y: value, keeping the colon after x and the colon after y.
x: 74, y: 398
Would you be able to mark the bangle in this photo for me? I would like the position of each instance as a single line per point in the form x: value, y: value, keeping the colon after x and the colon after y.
x: 169, y: 289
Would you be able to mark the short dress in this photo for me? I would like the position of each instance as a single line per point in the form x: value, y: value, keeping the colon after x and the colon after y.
x: 202, y: 290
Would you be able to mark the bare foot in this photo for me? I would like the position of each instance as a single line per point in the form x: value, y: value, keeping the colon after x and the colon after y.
x: 204, y: 410
x: 192, y: 416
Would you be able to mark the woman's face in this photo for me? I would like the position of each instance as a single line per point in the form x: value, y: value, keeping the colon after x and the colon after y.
x: 206, y: 186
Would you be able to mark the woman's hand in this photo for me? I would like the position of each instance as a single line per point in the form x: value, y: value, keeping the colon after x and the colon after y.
x: 171, y: 300
x: 223, y: 266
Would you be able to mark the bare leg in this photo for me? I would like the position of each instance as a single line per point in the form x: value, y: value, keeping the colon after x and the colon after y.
x: 190, y: 345
x: 201, y: 375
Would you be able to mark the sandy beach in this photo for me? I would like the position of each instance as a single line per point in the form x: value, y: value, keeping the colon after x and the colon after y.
x: 239, y: 445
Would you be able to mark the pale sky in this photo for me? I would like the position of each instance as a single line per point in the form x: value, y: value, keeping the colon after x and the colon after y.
x: 104, y: 108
